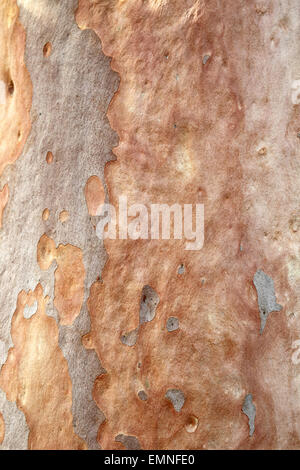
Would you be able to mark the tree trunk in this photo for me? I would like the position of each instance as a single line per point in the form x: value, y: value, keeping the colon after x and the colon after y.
x: 133, y: 337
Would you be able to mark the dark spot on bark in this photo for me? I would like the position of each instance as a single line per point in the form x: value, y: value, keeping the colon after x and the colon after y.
x: 142, y: 395
x: 11, y: 87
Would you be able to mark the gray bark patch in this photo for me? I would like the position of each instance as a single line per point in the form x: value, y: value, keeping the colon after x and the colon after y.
x: 149, y: 302
x: 205, y: 59
x: 250, y: 411
x: 130, y: 442
x: 181, y: 269
x: 16, y: 428
x: 172, y: 324
x: 176, y: 397
x: 266, y: 297
x: 142, y: 395
x: 130, y: 338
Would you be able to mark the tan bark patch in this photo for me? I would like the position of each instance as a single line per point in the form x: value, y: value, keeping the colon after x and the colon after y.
x: 46, y: 252
x: 15, y: 85
x: 69, y: 276
x: 45, y: 215
x: 94, y: 194
x: 36, y: 377
x: 63, y: 216
x: 69, y: 283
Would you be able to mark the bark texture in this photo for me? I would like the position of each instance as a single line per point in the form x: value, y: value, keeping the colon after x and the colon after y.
x: 142, y: 343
